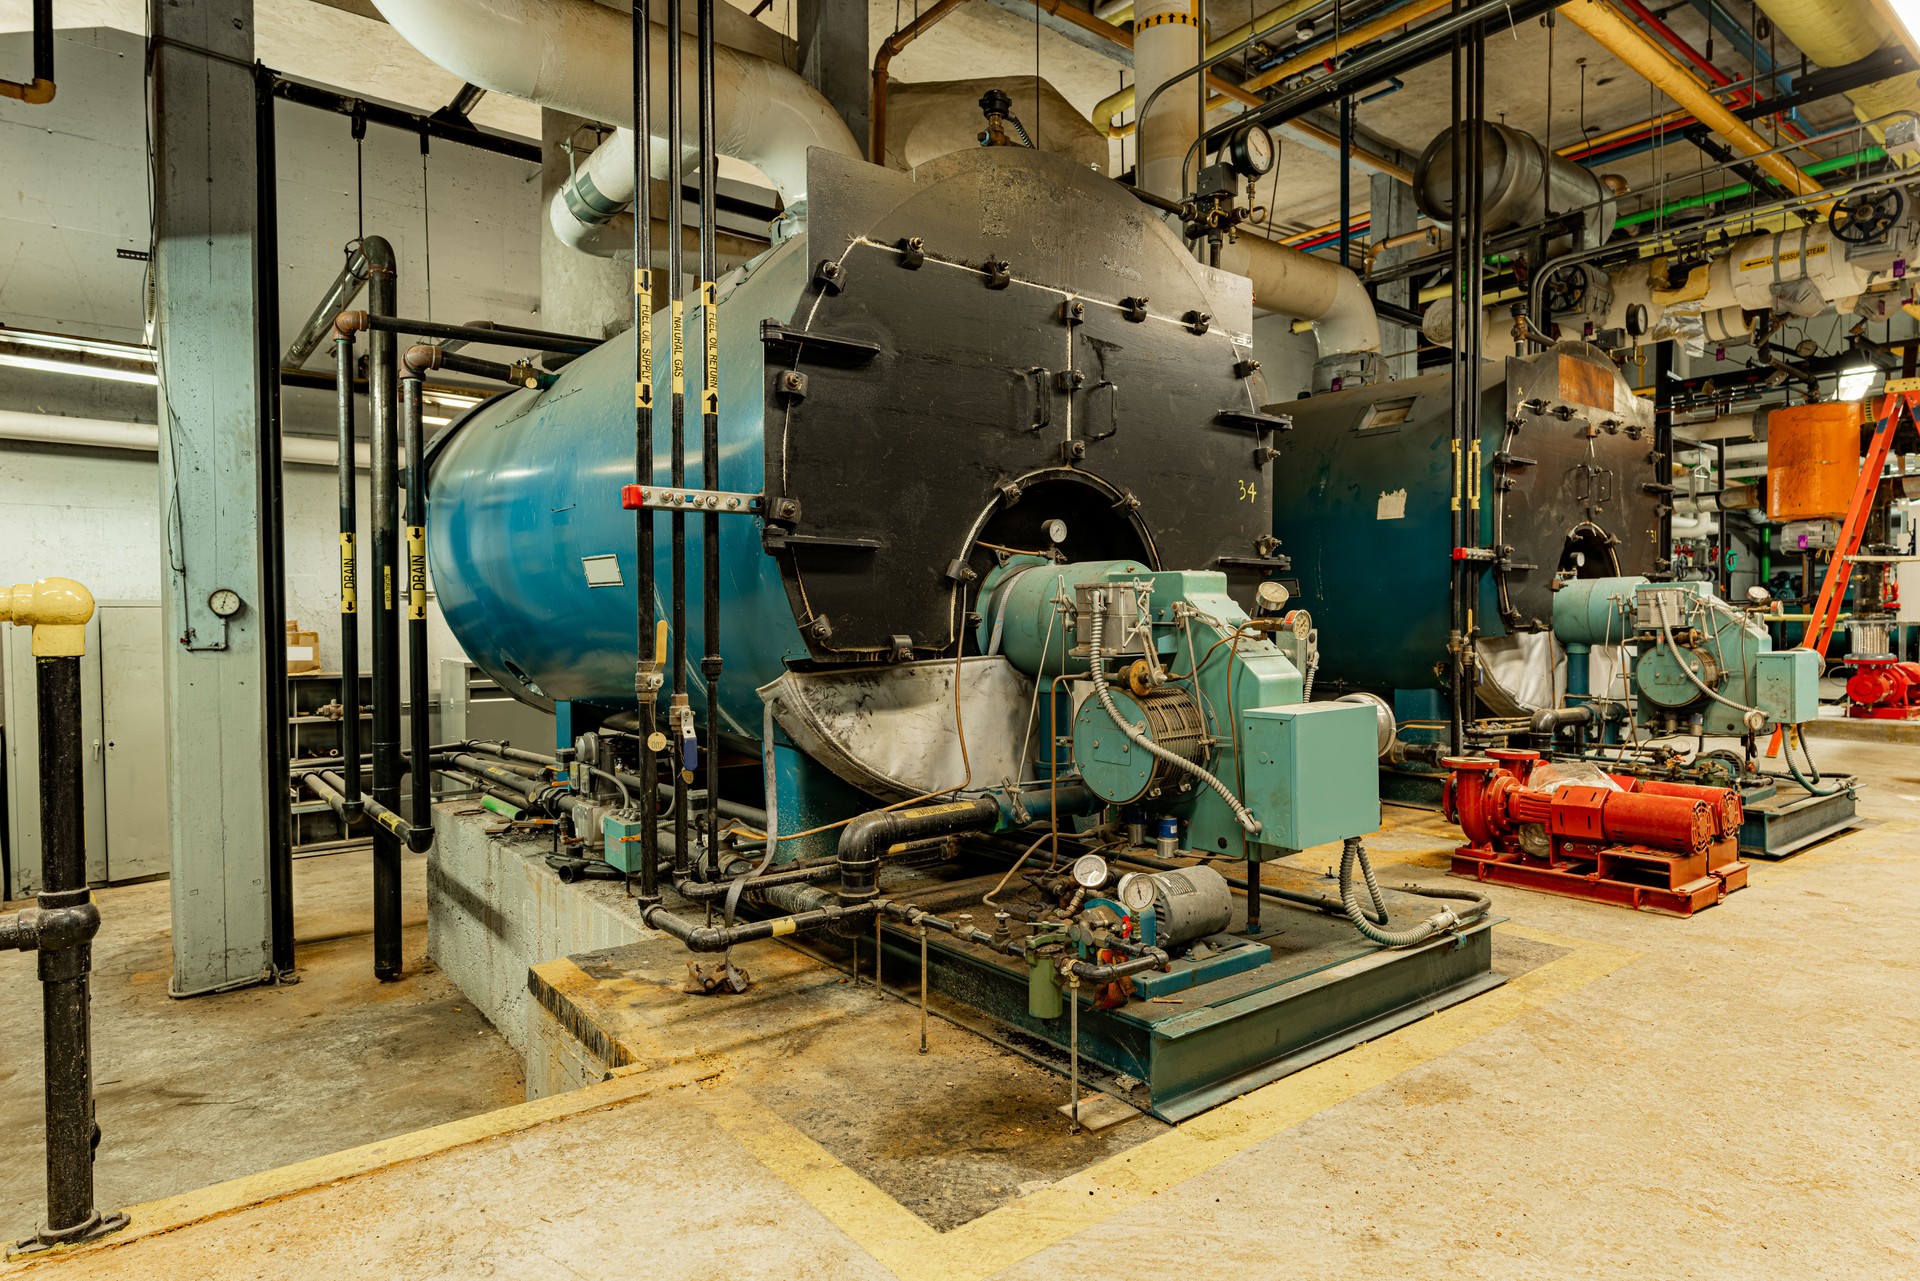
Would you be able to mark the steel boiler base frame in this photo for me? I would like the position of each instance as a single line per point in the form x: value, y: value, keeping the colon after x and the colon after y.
x: 1667, y: 882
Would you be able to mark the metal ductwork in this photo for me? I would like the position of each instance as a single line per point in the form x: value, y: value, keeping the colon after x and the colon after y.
x: 574, y: 56
x: 1521, y: 182
x: 934, y: 118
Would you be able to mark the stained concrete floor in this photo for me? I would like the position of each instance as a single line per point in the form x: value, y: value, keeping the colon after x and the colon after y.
x: 194, y: 1092
x: 1731, y: 1096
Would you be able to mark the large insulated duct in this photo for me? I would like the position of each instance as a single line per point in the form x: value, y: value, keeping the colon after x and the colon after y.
x: 1833, y: 35
x: 1166, y: 42
x: 935, y: 118
x: 575, y: 56
x: 1521, y: 182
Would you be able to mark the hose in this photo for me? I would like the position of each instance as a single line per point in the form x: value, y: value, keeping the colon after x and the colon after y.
x: 1795, y: 736
x: 1754, y: 719
x: 1439, y: 923
x: 1098, y: 666
x: 626, y: 797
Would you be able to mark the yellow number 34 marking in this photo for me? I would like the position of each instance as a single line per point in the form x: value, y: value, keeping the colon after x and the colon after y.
x: 1248, y: 492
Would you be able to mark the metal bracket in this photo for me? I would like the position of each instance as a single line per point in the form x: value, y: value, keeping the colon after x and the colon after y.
x: 1134, y: 309
x: 999, y: 273
x: 830, y: 276
x: 1258, y: 422
x: 848, y: 351
x: 724, y: 502
x: 913, y: 252
x: 1255, y: 562
x: 1197, y: 321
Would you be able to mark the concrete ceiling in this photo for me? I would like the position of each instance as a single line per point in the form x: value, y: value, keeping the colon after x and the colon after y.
x: 336, y: 42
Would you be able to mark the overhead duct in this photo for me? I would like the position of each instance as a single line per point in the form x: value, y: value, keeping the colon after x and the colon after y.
x: 1834, y: 35
x: 1521, y: 183
x: 935, y: 118
x: 575, y: 56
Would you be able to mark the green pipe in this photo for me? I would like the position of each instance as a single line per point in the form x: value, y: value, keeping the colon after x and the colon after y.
x: 1865, y: 156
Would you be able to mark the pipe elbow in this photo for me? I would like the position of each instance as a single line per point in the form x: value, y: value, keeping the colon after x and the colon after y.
x: 349, y: 323
x: 1350, y: 325
x: 419, y: 358
x: 57, y: 609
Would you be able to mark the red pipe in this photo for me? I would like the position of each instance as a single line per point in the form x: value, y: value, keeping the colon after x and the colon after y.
x: 1741, y: 97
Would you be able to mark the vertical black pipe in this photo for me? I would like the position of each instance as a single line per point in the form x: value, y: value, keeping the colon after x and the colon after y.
x: 1346, y: 198
x: 65, y: 960
x: 1456, y: 578
x: 710, y: 423
x: 1663, y: 452
x: 273, y: 560
x: 349, y: 587
x: 1722, y: 570
x: 676, y: 270
x: 382, y: 489
x: 646, y: 679
x: 420, y: 767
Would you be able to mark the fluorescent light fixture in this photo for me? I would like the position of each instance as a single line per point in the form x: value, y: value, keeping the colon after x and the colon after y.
x: 453, y: 398
x: 1855, y: 382
x: 83, y: 346
x: 432, y: 421
x: 87, y: 371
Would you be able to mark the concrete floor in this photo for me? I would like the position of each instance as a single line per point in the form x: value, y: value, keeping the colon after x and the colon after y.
x: 1731, y: 1096
x: 199, y: 1091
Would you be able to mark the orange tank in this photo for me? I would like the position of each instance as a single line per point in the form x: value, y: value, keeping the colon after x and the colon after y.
x: 1813, y: 461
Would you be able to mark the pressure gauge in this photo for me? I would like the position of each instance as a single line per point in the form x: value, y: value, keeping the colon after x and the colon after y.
x: 224, y: 603
x: 1300, y: 622
x: 1056, y: 531
x: 1271, y: 596
x: 1251, y: 152
x: 1136, y: 892
x: 1090, y: 871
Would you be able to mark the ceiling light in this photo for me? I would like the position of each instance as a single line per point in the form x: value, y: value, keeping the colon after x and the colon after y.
x: 84, y: 346
x: 455, y: 399
x: 88, y: 371
x: 433, y: 421
x: 1855, y: 382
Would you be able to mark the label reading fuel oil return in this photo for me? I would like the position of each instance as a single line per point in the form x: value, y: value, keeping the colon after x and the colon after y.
x: 710, y: 337
x: 643, y: 295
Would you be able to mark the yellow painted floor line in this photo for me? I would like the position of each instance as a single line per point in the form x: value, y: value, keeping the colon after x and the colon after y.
x: 169, y: 1214
x: 903, y: 1242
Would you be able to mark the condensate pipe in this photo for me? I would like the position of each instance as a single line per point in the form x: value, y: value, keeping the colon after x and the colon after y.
x: 39, y: 90
x: 1645, y: 58
x: 883, y: 59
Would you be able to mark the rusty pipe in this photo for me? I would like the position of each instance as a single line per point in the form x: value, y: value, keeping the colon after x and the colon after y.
x: 889, y: 49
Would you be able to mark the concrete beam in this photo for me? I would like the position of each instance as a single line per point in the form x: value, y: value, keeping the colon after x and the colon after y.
x: 206, y: 316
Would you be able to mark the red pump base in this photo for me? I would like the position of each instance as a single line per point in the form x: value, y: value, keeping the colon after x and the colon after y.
x: 1884, y: 689
x: 1656, y: 846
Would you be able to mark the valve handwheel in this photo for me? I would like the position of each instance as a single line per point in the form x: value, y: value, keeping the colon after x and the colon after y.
x: 1867, y: 218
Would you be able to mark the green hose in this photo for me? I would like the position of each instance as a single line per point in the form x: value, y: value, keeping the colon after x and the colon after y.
x: 1439, y: 923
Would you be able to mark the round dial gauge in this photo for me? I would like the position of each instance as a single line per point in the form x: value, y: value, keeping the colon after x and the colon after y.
x: 225, y: 603
x: 1056, y: 531
x: 1090, y: 871
x: 1136, y: 891
x: 1252, y: 151
x: 1272, y: 596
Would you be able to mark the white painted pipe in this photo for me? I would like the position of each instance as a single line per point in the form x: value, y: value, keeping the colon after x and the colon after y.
x: 106, y: 433
x: 1166, y: 42
x: 576, y: 56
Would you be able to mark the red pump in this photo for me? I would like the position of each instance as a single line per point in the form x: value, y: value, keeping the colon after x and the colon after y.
x: 1665, y: 847
x: 1884, y: 689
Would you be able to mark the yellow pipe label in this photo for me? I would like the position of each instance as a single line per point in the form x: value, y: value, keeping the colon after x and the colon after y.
x: 679, y: 348
x: 349, y: 603
x: 1473, y: 475
x: 1162, y: 19
x: 710, y: 333
x: 643, y: 291
x: 1456, y: 475
x: 416, y: 571
x: 387, y: 584
x: 928, y: 811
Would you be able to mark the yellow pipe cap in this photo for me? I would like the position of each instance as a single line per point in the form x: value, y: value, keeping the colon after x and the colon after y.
x: 56, y: 608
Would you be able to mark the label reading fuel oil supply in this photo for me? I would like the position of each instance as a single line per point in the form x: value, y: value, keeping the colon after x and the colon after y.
x: 643, y: 295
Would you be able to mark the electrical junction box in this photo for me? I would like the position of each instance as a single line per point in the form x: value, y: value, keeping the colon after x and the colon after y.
x: 623, y: 854
x: 1312, y: 772
x: 1786, y: 685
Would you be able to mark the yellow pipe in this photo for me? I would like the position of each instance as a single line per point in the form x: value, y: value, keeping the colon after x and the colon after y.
x: 1632, y: 46
x: 1346, y: 40
x: 1116, y: 103
x: 56, y: 608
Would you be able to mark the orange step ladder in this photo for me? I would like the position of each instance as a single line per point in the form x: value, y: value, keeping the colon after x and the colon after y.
x: 1902, y: 397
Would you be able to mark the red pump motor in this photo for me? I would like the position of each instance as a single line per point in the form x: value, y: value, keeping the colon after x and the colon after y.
x: 1668, y: 847
x: 1884, y: 689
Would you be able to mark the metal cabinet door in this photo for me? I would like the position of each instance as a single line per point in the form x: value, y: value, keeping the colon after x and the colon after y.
x: 132, y: 723
x: 23, y: 759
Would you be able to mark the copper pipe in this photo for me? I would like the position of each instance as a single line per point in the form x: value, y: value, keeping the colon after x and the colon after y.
x: 891, y: 46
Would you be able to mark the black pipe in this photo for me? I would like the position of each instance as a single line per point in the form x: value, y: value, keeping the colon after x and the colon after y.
x: 523, y: 339
x: 1663, y: 449
x: 339, y: 296
x: 380, y: 113
x: 350, y: 693
x: 62, y: 931
x: 646, y: 671
x: 517, y: 375
x: 863, y: 840
x: 276, y: 697
x: 680, y: 714
x: 1346, y: 179
x: 494, y: 772
x: 715, y: 938
x: 710, y: 663
x: 383, y: 489
x: 506, y: 752
x: 326, y: 785
x: 419, y: 780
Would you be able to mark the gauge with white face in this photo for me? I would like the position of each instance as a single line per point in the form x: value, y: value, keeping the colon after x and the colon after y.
x: 1089, y: 871
x: 1136, y: 892
x: 1252, y: 151
x: 224, y: 603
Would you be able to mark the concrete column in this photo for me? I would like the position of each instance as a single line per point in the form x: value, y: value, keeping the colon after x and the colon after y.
x: 835, y: 58
x: 1391, y: 213
x: 205, y: 318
